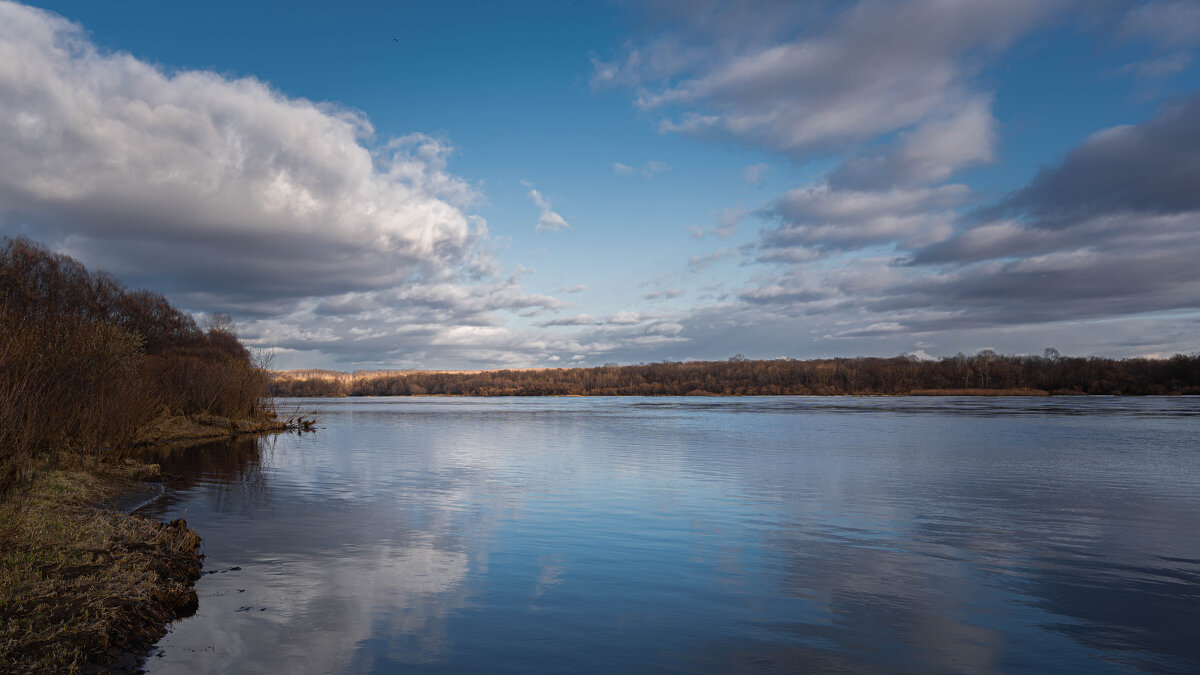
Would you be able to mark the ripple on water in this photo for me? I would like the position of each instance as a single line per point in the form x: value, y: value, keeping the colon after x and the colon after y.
x: 849, y: 534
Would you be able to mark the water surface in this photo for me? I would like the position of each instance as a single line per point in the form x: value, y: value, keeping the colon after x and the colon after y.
x: 698, y: 535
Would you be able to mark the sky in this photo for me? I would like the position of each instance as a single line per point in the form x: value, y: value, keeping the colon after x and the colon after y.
x: 525, y: 184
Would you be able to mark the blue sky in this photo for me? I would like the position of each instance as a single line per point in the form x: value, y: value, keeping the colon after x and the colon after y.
x: 581, y: 183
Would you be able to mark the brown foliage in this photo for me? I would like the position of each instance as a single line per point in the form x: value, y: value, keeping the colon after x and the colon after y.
x: 984, y: 373
x: 84, y: 362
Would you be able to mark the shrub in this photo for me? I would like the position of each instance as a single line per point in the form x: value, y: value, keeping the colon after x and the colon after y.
x: 84, y: 362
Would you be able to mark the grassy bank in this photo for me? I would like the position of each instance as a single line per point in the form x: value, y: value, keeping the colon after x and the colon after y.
x: 184, y: 428
x: 89, y: 371
x: 81, y: 583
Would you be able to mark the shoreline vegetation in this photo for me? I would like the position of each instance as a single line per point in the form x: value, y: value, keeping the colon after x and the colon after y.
x: 984, y: 374
x: 91, y: 372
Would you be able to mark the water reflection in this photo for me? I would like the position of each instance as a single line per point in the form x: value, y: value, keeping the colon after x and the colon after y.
x: 783, y: 534
x: 301, y: 577
x: 230, y: 472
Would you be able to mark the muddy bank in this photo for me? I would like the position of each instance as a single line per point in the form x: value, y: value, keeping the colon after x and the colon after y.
x: 81, y: 582
x: 183, y: 428
x: 84, y: 584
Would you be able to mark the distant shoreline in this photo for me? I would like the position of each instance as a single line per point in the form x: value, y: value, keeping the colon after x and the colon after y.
x: 984, y: 374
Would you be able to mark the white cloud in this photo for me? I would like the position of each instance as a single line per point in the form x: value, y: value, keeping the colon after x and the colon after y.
x: 548, y: 220
x: 877, y: 68
x: 220, y: 184
x: 577, y: 320
x: 649, y: 169
x: 929, y: 153
x: 230, y: 196
x: 625, y: 318
x: 820, y: 217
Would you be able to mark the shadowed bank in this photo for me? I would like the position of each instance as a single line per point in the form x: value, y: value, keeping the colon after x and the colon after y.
x: 89, y: 370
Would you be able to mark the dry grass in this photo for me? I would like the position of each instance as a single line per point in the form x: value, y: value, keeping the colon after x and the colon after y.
x: 170, y: 428
x: 80, y: 584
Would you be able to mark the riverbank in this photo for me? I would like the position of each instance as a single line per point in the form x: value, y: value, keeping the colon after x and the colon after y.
x: 81, y: 582
x: 188, y: 428
x: 985, y: 374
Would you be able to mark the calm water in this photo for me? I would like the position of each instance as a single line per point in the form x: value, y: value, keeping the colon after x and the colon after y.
x: 699, y: 535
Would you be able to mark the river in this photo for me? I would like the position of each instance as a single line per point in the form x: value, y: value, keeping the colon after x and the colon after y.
x: 774, y: 534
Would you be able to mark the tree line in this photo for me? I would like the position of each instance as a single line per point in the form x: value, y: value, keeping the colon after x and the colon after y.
x: 86, y: 362
x: 984, y: 373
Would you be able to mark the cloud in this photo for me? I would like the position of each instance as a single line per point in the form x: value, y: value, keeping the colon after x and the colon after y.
x: 626, y: 318
x: 548, y: 220
x: 821, y: 218
x: 1171, y: 24
x: 1108, y: 232
x: 323, y: 238
x: 929, y: 153
x: 649, y: 169
x: 577, y: 320
x: 891, y: 92
x: 1157, y: 67
x: 665, y: 294
x: 227, y: 195
x: 758, y: 72
x: 776, y: 294
x: 577, y: 288
x: 727, y: 220
x: 885, y: 250
x: 216, y: 184
x: 1106, y: 237
x: 1173, y: 30
x: 700, y: 262
x: 754, y: 173
x: 1151, y: 168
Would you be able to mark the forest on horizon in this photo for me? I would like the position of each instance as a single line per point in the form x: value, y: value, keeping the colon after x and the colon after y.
x: 985, y: 373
